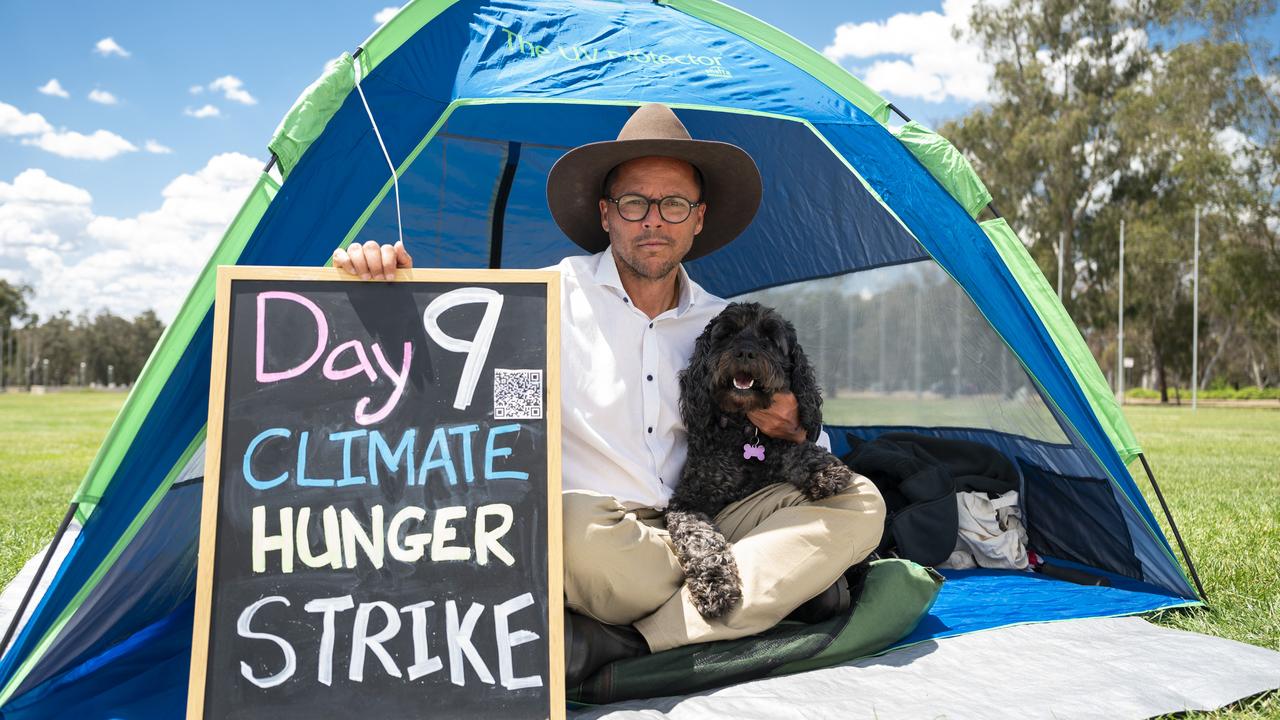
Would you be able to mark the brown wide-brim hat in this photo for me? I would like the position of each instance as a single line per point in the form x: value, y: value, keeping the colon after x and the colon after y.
x: 731, y: 185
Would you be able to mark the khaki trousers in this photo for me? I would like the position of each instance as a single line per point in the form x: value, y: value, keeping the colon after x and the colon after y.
x: 620, y: 567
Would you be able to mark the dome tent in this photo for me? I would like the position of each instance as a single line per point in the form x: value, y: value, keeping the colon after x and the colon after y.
x: 916, y: 314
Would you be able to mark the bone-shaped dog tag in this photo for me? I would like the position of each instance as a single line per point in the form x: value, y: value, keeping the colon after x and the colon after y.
x: 750, y: 451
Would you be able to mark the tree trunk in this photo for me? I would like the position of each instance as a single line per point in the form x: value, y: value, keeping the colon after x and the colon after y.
x: 1223, y: 338
x: 1161, y: 380
x: 1255, y: 368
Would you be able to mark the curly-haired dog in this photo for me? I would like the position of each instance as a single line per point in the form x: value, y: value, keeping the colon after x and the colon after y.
x: 746, y: 354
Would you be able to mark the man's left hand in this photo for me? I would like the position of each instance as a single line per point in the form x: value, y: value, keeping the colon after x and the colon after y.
x: 781, y: 420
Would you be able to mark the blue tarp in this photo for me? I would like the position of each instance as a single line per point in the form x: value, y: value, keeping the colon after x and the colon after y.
x: 973, y: 600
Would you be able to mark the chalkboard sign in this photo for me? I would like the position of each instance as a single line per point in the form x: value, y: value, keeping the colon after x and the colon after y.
x: 381, y: 525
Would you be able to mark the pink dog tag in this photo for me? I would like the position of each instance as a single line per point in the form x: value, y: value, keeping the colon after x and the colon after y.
x: 750, y: 451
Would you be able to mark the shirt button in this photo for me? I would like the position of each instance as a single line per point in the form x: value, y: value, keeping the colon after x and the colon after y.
x: 650, y: 324
x: 649, y: 378
x: 626, y: 300
x: 650, y: 429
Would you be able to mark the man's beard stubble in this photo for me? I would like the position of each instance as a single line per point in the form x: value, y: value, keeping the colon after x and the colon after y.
x: 635, y: 266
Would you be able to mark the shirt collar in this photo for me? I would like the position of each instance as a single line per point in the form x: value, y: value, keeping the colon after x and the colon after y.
x: 607, y: 275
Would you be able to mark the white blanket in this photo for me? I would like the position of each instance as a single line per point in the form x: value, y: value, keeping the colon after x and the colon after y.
x: 1098, y: 668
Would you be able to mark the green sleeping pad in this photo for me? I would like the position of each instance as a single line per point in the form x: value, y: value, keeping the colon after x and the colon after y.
x: 895, y: 595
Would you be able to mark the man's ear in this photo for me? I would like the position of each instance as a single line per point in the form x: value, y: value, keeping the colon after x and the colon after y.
x: 604, y: 214
x: 697, y: 407
x: 804, y: 385
x: 700, y: 214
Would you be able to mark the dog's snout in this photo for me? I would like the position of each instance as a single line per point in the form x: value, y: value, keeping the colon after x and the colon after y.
x: 746, y: 354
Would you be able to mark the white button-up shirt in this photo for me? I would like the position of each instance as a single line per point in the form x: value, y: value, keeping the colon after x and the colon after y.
x: 622, y: 434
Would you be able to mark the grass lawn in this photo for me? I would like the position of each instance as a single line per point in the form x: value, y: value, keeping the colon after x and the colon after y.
x: 46, y: 444
x: 1219, y: 469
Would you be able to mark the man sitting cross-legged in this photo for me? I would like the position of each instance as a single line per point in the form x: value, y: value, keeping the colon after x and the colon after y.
x: 630, y: 314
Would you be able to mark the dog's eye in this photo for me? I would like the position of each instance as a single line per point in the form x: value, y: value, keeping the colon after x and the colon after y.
x: 777, y: 335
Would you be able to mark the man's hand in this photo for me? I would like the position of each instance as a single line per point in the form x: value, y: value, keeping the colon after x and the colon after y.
x: 781, y: 420
x: 372, y: 261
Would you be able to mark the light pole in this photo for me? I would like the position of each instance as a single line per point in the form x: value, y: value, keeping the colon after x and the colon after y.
x: 1120, y: 331
x: 1062, y: 239
x: 1195, y: 314
x: 111, y: 371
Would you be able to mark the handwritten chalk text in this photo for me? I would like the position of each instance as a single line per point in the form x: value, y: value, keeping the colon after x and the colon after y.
x: 460, y: 647
x: 349, y: 359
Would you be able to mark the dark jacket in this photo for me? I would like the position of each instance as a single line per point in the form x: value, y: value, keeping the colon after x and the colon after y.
x: 919, y: 477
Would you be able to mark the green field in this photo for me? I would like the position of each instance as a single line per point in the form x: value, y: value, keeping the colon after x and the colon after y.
x: 1219, y: 469
x: 46, y: 444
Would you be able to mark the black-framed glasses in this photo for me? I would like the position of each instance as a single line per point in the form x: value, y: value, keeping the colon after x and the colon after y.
x: 672, y: 208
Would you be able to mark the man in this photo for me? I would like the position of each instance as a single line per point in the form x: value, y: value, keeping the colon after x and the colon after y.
x: 630, y: 315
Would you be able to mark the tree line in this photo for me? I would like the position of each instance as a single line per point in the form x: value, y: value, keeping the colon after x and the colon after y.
x: 1146, y: 113
x: 1143, y: 114
x: 64, y: 350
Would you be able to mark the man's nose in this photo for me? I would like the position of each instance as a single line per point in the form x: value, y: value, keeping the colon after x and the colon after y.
x: 653, y: 217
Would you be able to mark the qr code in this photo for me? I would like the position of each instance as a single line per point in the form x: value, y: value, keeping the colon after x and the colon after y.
x: 517, y: 394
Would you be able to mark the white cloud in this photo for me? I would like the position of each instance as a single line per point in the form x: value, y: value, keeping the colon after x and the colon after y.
x: 76, y: 260
x: 196, y: 89
x: 204, y: 111
x: 34, y: 186
x: 108, y: 46
x: 233, y: 88
x: 99, y: 145
x: 926, y: 60
x: 37, y: 132
x: 385, y: 14
x: 14, y: 122
x: 1237, y: 146
x: 152, y: 146
x: 38, y: 213
x: 54, y: 88
x: 904, y: 79
x: 102, y: 97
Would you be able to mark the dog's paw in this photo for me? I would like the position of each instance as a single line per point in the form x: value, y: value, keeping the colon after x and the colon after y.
x: 828, y: 481
x: 713, y: 584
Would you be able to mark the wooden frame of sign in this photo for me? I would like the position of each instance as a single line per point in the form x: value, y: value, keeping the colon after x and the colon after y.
x: 340, y: 601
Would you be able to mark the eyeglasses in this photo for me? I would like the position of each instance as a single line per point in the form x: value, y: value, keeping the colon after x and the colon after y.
x: 672, y: 208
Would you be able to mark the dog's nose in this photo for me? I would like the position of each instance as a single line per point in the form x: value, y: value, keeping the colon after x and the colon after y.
x: 746, y: 355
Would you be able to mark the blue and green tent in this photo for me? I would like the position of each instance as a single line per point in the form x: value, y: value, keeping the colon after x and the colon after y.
x: 919, y: 305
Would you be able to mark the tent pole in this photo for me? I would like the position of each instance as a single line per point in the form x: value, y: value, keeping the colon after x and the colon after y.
x: 1174, y: 526
x: 35, y: 582
x: 899, y: 112
x: 500, y: 204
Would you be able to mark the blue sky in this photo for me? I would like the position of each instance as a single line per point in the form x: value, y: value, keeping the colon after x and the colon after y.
x: 174, y: 46
x: 117, y: 179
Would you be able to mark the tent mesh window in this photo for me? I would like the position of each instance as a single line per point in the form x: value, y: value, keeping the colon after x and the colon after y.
x: 904, y: 346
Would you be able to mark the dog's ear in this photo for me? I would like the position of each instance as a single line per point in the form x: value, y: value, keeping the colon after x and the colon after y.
x: 696, y: 404
x: 804, y: 385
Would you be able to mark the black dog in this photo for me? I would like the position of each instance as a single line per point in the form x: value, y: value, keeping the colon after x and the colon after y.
x: 744, y: 356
